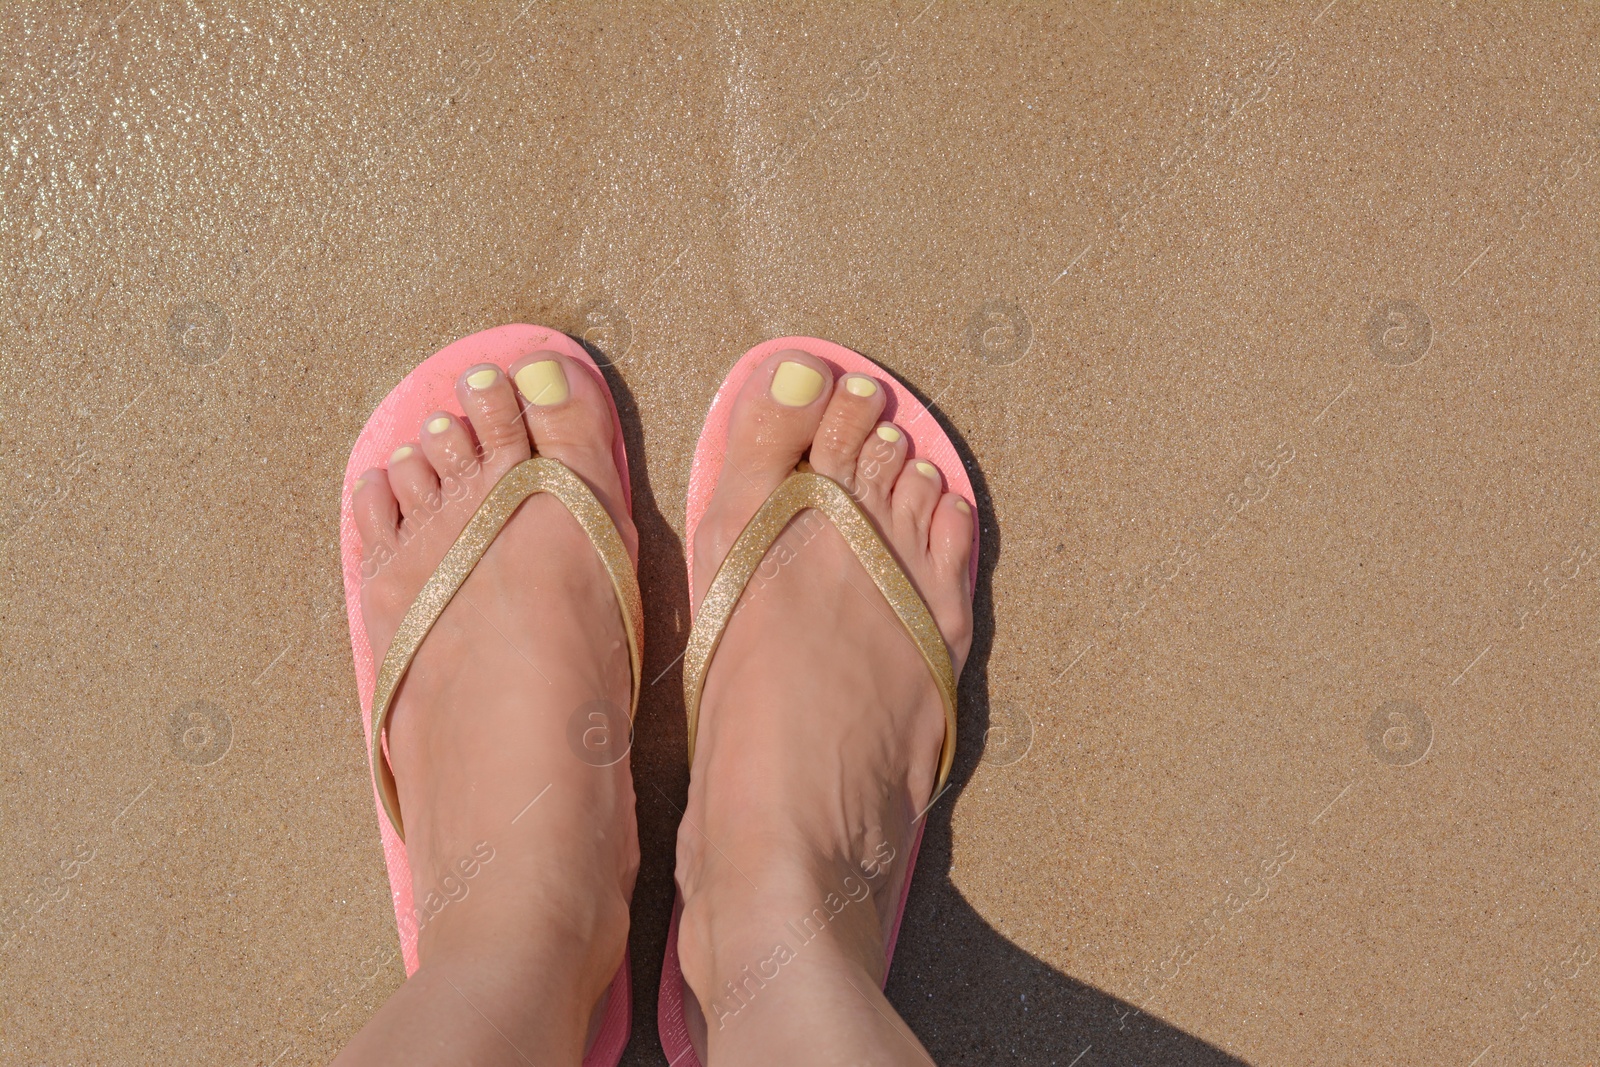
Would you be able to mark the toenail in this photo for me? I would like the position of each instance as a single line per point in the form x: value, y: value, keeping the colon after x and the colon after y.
x: 795, y: 385
x: 860, y: 386
x: 963, y: 507
x: 543, y: 383
x: 888, y: 433
x: 401, y: 453
x: 926, y: 468
x: 356, y: 488
x: 439, y: 425
x: 482, y: 379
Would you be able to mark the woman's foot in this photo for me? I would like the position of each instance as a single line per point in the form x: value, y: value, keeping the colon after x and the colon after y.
x: 523, y: 849
x: 820, y: 731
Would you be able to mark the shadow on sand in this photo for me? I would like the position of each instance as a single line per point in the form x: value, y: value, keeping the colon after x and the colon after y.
x: 969, y: 994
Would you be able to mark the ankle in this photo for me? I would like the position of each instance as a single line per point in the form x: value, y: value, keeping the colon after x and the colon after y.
x: 537, y: 933
x: 735, y: 939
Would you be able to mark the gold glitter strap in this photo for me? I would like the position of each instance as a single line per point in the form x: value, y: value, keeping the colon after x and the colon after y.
x: 805, y: 489
x: 536, y: 475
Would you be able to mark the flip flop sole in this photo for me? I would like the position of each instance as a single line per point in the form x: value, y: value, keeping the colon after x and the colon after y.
x: 928, y: 441
x: 429, y: 388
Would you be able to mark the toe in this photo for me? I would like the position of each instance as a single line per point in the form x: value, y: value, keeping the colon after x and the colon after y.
x: 879, y: 464
x: 848, y: 421
x: 448, y: 444
x: 916, y: 492
x: 950, y: 548
x: 496, y: 417
x: 772, y: 424
x: 570, y: 420
x: 377, y: 514
x: 413, y: 481
x: 950, y: 536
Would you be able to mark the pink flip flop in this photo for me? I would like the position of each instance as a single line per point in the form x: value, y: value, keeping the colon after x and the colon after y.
x: 928, y: 442
x: 428, y: 388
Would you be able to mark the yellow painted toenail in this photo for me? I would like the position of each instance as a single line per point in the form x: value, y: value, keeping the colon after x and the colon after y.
x: 860, y: 386
x: 888, y: 433
x: 482, y: 379
x: 795, y: 385
x: 543, y: 383
x: 926, y: 468
x: 439, y: 425
x: 401, y: 453
x: 963, y: 507
x: 356, y: 488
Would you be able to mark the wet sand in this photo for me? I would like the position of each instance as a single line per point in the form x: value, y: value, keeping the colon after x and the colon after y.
x: 1270, y: 337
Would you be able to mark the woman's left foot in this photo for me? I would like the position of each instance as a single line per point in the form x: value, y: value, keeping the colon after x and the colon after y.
x: 820, y: 726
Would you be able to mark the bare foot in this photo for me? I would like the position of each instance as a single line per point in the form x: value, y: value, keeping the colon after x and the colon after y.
x: 523, y: 911
x: 820, y: 732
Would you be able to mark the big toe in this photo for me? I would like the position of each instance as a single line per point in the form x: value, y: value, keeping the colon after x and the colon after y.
x: 772, y: 425
x: 569, y: 419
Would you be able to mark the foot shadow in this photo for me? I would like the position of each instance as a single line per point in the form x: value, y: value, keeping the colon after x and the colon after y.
x: 968, y: 993
x: 971, y: 996
x: 660, y: 772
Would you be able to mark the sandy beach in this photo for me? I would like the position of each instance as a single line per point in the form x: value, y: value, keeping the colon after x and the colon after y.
x: 1268, y: 333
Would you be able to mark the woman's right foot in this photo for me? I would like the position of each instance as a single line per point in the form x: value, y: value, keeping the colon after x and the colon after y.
x: 521, y: 842
x: 820, y: 730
